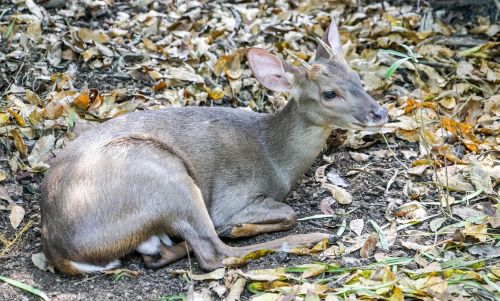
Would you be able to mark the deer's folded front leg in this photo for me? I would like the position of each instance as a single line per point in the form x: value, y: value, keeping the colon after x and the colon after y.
x: 261, y: 216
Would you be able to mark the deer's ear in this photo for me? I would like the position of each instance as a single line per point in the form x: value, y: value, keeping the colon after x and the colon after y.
x: 332, y: 38
x: 268, y: 69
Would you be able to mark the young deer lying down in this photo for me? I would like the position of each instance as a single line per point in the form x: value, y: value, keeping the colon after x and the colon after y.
x: 198, y: 174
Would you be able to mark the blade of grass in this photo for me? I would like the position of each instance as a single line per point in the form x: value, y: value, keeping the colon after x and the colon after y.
x: 381, y: 235
x: 25, y: 287
x: 9, y: 31
x: 394, y: 52
x: 316, y: 217
x: 395, y: 66
x: 408, y: 50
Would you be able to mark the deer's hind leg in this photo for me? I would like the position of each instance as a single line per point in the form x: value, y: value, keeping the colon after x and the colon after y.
x: 261, y: 216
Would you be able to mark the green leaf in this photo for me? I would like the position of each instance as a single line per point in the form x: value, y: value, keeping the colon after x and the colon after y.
x: 71, y: 119
x: 394, y: 52
x: 174, y: 297
x: 25, y: 287
x: 9, y: 31
x: 342, y: 228
x: 395, y: 66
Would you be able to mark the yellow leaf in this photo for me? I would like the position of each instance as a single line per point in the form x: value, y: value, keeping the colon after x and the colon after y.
x: 4, y: 118
x: 88, y: 35
x: 150, y: 45
x: 19, y: 143
x: 314, y: 270
x: 19, y: 120
x: 33, y: 98
x: 448, y: 102
x: 479, y: 232
x: 216, y: 93
x: 397, y: 294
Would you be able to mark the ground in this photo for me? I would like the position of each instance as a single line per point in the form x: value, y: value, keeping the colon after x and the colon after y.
x: 65, y: 65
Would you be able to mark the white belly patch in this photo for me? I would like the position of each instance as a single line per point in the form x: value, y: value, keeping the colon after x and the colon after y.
x: 151, y: 246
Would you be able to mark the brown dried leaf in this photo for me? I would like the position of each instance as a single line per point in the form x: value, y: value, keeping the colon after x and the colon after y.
x: 369, y: 246
x: 16, y: 215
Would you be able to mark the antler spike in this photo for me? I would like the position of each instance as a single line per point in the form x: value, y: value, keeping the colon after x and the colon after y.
x: 327, y: 47
x: 298, y: 59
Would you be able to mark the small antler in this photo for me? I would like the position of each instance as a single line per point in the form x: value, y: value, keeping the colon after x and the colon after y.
x: 298, y: 59
x: 327, y: 47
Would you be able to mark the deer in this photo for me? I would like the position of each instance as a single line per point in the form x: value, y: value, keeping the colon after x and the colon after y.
x: 165, y: 183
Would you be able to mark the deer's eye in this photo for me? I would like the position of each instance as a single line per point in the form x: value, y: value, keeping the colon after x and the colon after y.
x: 329, y: 95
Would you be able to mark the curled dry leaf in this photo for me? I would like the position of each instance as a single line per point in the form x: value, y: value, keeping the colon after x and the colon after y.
x: 214, y: 275
x: 265, y: 275
x: 19, y: 143
x: 319, y: 174
x: 412, y: 210
x: 16, y: 215
x: 232, y: 262
x: 339, y: 194
x: 313, y: 270
x: 369, y: 246
x: 236, y: 289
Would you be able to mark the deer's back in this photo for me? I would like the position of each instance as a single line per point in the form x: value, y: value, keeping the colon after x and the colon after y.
x: 222, y: 146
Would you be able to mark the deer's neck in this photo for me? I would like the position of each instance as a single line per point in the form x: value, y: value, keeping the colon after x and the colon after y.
x: 293, y: 142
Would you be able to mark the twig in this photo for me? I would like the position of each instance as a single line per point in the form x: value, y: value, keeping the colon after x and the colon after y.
x: 16, y: 238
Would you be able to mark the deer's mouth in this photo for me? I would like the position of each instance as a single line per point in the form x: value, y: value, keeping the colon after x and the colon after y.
x: 371, y: 125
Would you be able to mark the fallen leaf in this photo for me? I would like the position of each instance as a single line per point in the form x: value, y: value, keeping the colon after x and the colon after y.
x: 466, y: 213
x: 436, y: 223
x: 483, y: 250
x: 339, y: 194
x: 415, y: 246
x: 357, y: 226
x: 359, y: 157
x: 214, y: 275
x: 16, y: 215
x: 314, y: 270
x: 40, y: 261
x: 4, y: 194
x: 235, y: 290
x: 480, y: 232
x: 19, y: 143
x: 326, y: 205
x: 369, y: 246
x: 334, y: 178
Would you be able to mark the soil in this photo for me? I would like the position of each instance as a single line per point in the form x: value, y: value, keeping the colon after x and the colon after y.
x: 370, y: 202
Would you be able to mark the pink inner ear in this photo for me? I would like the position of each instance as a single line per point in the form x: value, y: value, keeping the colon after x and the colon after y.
x: 268, y: 70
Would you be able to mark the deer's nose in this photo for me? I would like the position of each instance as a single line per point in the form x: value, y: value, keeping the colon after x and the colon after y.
x: 379, y: 114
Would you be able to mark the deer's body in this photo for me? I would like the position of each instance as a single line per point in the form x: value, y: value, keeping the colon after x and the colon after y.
x: 138, y: 180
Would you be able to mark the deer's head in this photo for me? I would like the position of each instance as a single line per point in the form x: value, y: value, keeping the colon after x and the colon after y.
x: 329, y: 93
